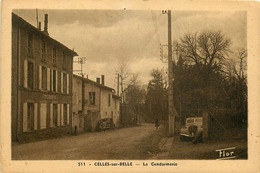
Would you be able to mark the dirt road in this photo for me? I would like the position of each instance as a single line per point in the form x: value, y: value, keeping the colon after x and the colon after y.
x: 115, y: 144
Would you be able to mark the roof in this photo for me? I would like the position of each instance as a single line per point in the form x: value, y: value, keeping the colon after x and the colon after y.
x: 94, y: 83
x: 18, y: 19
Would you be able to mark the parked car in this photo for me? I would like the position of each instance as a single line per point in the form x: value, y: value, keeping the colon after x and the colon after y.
x: 105, y: 123
x: 192, y: 128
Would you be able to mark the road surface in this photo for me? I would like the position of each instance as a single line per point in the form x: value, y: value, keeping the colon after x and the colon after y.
x: 124, y: 143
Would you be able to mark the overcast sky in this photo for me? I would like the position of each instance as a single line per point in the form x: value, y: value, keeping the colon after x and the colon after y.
x: 108, y: 37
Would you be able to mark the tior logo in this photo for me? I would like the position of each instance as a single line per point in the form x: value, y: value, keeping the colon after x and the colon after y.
x: 226, y: 153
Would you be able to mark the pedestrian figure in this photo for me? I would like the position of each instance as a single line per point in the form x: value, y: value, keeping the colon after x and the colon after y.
x: 156, y: 123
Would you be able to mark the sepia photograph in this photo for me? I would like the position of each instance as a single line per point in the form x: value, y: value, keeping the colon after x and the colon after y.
x: 129, y: 85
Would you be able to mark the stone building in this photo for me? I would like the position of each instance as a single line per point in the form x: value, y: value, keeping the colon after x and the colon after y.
x: 41, y: 83
x: 99, y: 101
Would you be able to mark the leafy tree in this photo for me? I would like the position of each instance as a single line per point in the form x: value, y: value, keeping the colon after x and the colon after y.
x: 204, y: 75
x: 238, y: 84
x: 135, y: 96
x: 156, y: 97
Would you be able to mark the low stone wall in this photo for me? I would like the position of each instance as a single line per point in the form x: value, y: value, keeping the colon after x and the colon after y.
x: 44, y: 134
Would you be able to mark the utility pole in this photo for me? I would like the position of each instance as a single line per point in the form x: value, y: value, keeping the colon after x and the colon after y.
x: 173, y: 127
x: 170, y: 77
x: 118, y: 84
x: 37, y: 19
x: 123, y: 110
x: 122, y: 90
x: 81, y: 61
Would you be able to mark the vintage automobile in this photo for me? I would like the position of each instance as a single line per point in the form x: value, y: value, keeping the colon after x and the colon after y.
x: 105, y: 123
x: 192, y: 128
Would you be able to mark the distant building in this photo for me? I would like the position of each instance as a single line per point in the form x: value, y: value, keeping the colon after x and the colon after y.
x: 95, y: 102
x: 41, y: 82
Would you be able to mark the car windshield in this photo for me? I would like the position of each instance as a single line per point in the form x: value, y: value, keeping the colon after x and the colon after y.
x: 198, y: 120
x: 190, y: 120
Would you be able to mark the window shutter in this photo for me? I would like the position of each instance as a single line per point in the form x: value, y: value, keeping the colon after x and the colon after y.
x: 56, y: 74
x: 68, y: 81
x: 58, y: 118
x: 51, y: 115
x: 48, y: 79
x: 35, y: 83
x: 43, y: 116
x: 68, y: 113
x: 35, y: 115
x: 51, y: 76
x: 61, y: 115
x: 40, y: 77
x: 61, y: 83
x: 25, y: 117
x: 25, y: 73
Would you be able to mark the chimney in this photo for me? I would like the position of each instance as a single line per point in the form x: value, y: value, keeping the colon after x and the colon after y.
x: 98, y: 80
x: 46, y: 24
x: 40, y: 26
x: 103, y: 79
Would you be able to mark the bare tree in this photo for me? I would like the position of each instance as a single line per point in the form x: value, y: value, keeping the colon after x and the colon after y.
x: 207, y: 47
x: 124, y: 73
x: 132, y: 94
x: 127, y: 78
x: 240, y: 83
x: 133, y: 80
x: 240, y: 71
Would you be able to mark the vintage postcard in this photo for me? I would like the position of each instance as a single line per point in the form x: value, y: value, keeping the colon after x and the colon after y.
x: 122, y: 86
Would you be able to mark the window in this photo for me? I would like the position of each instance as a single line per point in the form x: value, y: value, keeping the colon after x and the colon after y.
x: 65, y: 114
x: 64, y: 60
x: 64, y: 83
x: 54, y: 77
x: 54, y: 53
x: 109, y: 100
x: 44, y: 50
x: 59, y: 82
x: 44, y: 78
x: 55, y: 114
x: 30, y: 115
x: 30, y: 44
x: 92, y: 98
x: 30, y: 75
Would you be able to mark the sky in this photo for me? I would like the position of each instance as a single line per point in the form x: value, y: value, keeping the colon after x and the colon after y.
x: 107, y: 37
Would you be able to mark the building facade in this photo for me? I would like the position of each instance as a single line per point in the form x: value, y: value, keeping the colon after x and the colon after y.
x: 41, y: 83
x: 116, y: 113
x: 98, y: 102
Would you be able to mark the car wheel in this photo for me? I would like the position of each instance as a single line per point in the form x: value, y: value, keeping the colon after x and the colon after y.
x: 197, y: 138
